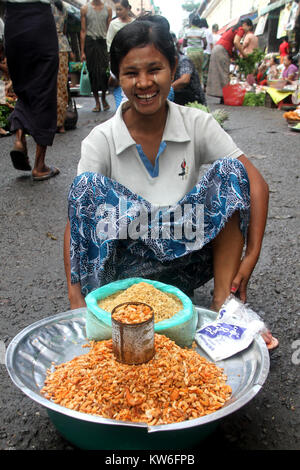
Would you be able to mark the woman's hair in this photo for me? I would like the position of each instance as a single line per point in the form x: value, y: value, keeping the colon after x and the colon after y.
x: 155, y: 19
x: 292, y: 59
x: 203, y: 23
x: 58, y: 4
x: 196, y: 21
x: 141, y: 33
x: 240, y: 23
x: 124, y: 3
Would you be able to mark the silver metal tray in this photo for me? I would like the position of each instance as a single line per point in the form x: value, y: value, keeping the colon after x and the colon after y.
x: 60, y: 338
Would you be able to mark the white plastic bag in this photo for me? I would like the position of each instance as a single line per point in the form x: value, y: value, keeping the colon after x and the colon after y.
x: 234, y: 330
x: 2, y: 92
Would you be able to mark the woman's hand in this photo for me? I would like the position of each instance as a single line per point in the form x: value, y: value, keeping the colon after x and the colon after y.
x: 241, y: 279
x: 83, y: 57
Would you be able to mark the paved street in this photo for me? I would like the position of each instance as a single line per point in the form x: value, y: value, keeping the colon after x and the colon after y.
x: 33, y: 217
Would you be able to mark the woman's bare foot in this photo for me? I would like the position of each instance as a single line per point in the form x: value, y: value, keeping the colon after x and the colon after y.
x: 105, y: 104
x: 271, y: 341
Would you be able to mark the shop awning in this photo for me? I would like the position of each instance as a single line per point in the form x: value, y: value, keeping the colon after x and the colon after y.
x: 260, y: 27
x: 273, y: 6
x: 228, y: 25
x: 251, y: 16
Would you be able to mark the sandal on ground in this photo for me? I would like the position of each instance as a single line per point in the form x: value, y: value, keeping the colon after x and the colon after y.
x: 106, y: 107
x: 20, y: 160
x: 96, y: 110
x: 53, y: 172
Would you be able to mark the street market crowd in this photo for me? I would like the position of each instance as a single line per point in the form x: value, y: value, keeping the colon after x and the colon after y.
x: 152, y: 149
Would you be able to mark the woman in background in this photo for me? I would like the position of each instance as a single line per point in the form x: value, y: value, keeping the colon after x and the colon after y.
x: 218, y: 73
x: 60, y: 17
x: 31, y: 45
x: 291, y: 70
x: 124, y: 16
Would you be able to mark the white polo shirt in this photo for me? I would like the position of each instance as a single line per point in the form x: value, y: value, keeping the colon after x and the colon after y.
x: 191, y: 138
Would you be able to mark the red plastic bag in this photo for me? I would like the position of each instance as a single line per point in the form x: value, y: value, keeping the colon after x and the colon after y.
x: 234, y: 95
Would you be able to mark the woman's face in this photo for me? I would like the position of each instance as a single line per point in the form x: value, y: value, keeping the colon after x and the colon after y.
x: 246, y: 27
x: 286, y: 61
x: 145, y: 77
x: 121, y: 11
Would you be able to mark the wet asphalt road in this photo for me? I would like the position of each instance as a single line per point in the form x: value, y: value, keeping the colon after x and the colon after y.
x: 33, y: 217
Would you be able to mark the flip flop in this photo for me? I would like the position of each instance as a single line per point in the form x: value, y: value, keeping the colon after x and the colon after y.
x: 106, y: 107
x: 20, y: 160
x: 53, y: 172
x: 96, y: 110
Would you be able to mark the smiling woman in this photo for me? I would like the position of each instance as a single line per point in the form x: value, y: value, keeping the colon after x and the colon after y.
x: 150, y: 154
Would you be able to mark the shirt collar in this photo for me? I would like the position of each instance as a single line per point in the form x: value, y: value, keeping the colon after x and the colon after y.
x: 174, y: 129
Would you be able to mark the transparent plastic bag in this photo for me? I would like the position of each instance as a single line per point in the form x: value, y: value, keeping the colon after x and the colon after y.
x: 2, y: 92
x: 233, y: 330
x: 180, y: 328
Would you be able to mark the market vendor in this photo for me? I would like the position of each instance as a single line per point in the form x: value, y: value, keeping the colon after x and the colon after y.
x: 272, y: 70
x: 148, y: 158
x: 290, y: 72
x: 218, y: 73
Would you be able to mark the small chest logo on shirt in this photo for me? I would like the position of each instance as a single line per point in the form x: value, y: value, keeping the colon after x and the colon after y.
x: 184, y: 170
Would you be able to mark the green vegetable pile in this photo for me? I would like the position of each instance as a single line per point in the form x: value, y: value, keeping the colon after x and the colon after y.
x: 254, y: 99
x: 220, y: 115
x: 75, y: 66
x: 4, y: 115
x: 248, y: 64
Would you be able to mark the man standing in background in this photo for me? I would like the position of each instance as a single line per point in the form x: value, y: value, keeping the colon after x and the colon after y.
x: 216, y: 36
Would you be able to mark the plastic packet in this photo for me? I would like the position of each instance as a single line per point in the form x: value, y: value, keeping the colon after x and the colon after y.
x: 233, y: 330
x: 2, y: 92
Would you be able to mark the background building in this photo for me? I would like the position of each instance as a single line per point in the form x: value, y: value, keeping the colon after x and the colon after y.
x: 141, y: 6
x: 270, y: 18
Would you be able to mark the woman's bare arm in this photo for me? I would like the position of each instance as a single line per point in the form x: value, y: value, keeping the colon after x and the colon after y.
x: 83, y: 32
x: 259, y: 195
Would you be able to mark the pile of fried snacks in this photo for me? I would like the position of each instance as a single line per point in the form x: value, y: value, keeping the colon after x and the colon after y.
x: 176, y: 385
x: 292, y: 116
x: 165, y: 305
x: 131, y: 313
